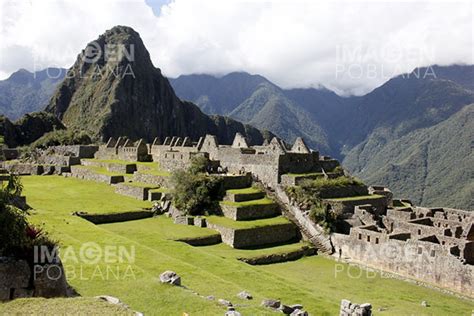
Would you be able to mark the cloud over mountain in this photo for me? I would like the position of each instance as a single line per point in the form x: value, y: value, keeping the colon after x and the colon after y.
x: 348, y: 47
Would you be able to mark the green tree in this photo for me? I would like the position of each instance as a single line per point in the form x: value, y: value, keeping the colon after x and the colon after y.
x: 195, y: 192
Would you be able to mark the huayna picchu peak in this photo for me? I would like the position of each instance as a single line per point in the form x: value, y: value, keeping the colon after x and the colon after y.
x: 113, y: 89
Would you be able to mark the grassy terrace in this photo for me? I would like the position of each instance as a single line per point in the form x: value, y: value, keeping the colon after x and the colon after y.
x: 141, y: 185
x: 250, y: 190
x: 356, y: 198
x: 61, y: 306
x: 155, y: 172
x: 161, y: 190
x: 263, y: 201
x: 227, y: 222
x: 210, y: 270
x: 55, y: 195
x: 101, y: 170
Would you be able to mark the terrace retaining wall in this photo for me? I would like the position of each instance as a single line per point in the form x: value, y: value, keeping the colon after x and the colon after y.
x: 139, y: 193
x: 249, y: 212
x: 281, y: 257
x: 257, y: 236
x: 115, y: 217
x: 87, y: 174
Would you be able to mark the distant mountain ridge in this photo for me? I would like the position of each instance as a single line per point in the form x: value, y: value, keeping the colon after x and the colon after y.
x: 385, y: 137
x: 25, y: 92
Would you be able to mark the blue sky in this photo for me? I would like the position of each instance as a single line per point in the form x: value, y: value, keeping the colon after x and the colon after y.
x: 156, y: 5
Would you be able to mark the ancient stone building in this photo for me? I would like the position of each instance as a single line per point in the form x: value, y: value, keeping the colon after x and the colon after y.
x: 123, y: 149
x: 435, y: 245
x: 266, y: 162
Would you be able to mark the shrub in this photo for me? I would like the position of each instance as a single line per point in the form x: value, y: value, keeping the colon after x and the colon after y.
x: 62, y: 137
x: 325, y: 217
x: 198, y: 164
x: 308, y: 196
x: 194, y: 191
x: 17, y: 237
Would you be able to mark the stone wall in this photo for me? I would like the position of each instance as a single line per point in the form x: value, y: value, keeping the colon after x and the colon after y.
x: 161, y: 181
x: 24, y: 168
x: 87, y: 174
x: 17, y: 281
x: 58, y: 160
x: 419, y: 260
x: 236, y: 181
x: 14, y: 279
x: 121, y: 168
x: 115, y: 217
x: 244, y: 197
x: 140, y: 193
x: 349, y: 309
x: 258, y: 236
x: 347, y: 206
x: 280, y: 257
x: 202, y: 241
x: 80, y: 151
x: 249, y: 212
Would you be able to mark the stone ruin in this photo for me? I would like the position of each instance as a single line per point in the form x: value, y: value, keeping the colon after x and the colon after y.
x: 350, y: 309
x: 123, y: 149
x: 435, y: 245
x: 267, y: 162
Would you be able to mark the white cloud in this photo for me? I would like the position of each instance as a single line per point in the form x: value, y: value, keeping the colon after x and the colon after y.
x: 350, y: 47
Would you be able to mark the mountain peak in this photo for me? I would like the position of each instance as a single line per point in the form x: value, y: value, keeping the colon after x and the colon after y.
x: 113, y: 89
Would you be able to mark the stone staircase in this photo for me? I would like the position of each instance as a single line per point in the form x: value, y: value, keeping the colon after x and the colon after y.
x: 312, y: 232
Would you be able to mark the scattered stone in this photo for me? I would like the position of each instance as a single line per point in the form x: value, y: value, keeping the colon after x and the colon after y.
x: 109, y: 299
x: 245, y: 295
x: 296, y: 306
x: 349, y: 309
x: 270, y: 303
x: 170, y: 277
x: 210, y: 297
x: 285, y: 309
x: 224, y: 302
x: 424, y: 304
x: 382, y: 309
x: 232, y: 313
x: 299, y: 312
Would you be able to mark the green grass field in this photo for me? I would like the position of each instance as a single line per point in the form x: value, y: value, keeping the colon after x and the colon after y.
x: 262, y: 201
x: 227, y: 222
x: 250, y: 190
x: 209, y: 270
x: 62, y: 306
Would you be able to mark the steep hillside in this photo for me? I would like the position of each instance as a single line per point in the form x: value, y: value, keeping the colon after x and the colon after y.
x: 27, y: 129
x: 270, y: 109
x: 432, y: 166
x: 127, y: 95
x: 254, y: 100
x: 24, y: 92
x: 217, y: 95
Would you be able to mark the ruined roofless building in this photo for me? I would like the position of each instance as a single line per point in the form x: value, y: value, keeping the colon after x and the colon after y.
x: 123, y: 149
x: 266, y: 162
